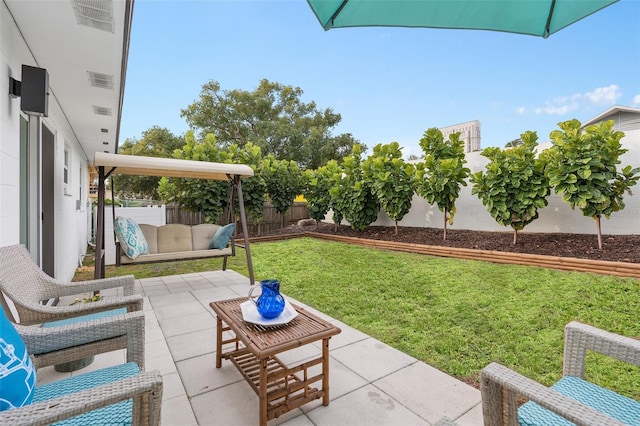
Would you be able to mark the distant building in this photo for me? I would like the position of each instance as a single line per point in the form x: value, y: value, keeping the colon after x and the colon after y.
x: 469, y: 134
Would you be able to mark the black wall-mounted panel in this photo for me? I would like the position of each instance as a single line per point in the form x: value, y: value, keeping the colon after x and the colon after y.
x: 34, y: 91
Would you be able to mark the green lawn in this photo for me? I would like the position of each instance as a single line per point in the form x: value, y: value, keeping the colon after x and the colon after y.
x: 456, y: 315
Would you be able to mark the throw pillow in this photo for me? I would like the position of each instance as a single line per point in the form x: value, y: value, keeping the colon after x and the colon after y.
x: 131, y: 237
x: 18, y: 378
x: 221, y: 237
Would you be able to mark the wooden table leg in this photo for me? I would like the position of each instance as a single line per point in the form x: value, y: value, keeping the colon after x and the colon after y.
x: 263, y: 392
x: 218, y: 342
x: 325, y: 371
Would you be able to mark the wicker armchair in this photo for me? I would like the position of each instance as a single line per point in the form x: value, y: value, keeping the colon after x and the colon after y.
x: 57, y: 345
x: 26, y: 285
x: 572, y: 398
x: 120, y: 394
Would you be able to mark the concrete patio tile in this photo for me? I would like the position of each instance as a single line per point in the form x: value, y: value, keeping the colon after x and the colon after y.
x: 170, y: 299
x: 150, y: 281
x: 156, y: 291
x: 173, y: 279
x: 301, y: 420
x: 233, y: 405
x: 178, y: 309
x: 341, y: 382
x: 177, y: 412
x: 365, y: 406
x: 200, y: 374
x: 212, y: 294
x: 187, y: 323
x: 429, y: 392
x: 158, y: 357
x: 172, y: 386
x: 347, y: 336
x: 371, y: 358
x: 190, y: 345
x: 179, y: 288
x: 472, y: 417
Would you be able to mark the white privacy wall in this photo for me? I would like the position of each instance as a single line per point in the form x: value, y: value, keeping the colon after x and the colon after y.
x: 557, y: 217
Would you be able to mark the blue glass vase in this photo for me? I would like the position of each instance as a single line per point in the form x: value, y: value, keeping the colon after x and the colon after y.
x: 270, y: 304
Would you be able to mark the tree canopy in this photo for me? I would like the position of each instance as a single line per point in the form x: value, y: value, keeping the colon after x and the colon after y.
x: 272, y: 117
x: 155, y: 142
x: 582, y: 166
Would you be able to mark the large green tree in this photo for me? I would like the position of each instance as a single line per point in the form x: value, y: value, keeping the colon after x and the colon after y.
x: 273, y: 117
x: 254, y: 189
x: 392, y: 180
x: 439, y: 177
x: 513, y: 186
x: 582, y: 166
x: 155, y: 142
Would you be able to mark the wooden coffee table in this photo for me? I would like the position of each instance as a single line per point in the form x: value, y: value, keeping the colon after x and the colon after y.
x: 253, y: 349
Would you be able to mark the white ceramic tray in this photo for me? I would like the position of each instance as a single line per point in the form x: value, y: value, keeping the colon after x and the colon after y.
x: 250, y: 314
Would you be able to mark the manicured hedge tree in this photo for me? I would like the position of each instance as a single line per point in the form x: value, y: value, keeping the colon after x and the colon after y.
x: 514, y: 186
x: 439, y: 177
x: 318, y: 185
x: 254, y: 189
x: 392, y: 180
x: 284, y: 180
x: 582, y: 166
x: 199, y: 195
x: 352, y: 195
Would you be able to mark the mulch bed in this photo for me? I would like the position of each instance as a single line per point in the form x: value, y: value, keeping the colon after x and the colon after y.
x: 616, y: 248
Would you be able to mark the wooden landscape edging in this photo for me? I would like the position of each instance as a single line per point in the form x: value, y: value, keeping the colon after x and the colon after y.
x: 554, y: 262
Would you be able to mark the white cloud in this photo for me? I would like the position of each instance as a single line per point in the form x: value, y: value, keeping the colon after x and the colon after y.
x: 603, y: 96
x: 521, y: 110
x: 636, y: 100
x: 600, y: 96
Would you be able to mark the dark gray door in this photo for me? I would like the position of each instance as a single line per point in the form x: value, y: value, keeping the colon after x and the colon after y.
x: 48, y: 187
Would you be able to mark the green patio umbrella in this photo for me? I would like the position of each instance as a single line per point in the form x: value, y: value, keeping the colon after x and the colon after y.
x: 534, y: 17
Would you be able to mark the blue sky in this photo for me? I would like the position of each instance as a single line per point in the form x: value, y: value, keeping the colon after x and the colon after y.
x: 388, y: 84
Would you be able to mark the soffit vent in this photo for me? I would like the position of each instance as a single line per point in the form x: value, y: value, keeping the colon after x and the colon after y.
x: 95, y: 14
x: 102, y: 81
x: 99, y: 110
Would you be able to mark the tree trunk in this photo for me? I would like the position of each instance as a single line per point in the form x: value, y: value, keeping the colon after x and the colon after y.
x: 515, y: 237
x: 282, y: 220
x: 396, y: 227
x: 599, y: 233
x: 259, y: 228
x: 445, y: 225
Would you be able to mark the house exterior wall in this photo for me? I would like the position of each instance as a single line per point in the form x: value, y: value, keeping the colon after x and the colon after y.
x: 556, y: 217
x: 71, y: 230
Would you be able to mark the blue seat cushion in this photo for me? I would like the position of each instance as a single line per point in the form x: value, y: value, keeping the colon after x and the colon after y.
x: 600, y: 399
x: 115, y: 414
x: 88, y: 317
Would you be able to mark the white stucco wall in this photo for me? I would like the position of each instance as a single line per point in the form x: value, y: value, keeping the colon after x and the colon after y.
x: 71, y: 228
x: 557, y: 217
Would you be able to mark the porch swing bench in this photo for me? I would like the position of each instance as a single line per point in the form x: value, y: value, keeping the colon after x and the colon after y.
x: 177, y: 242
x: 174, y: 241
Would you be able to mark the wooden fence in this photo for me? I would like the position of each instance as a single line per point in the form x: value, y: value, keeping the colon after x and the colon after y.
x: 271, y: 219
